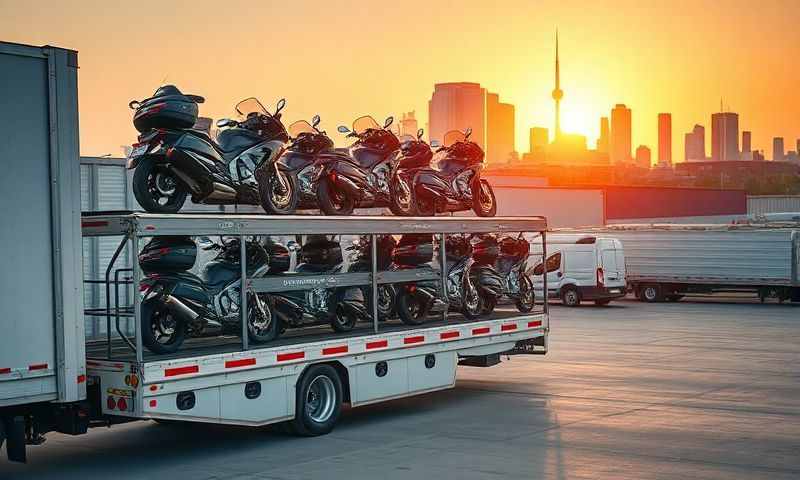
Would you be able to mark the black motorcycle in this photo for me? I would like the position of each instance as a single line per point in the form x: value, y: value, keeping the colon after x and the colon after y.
x: 340, y: 307
x: 360, y: 176
x: 178, y: 303
x: 415, y: 155
x: 453, y: 182
x: 416, y: 300
x: 361, y: 261
x: 289, y: 181
x: 172, y: 160
x: 500, y: 271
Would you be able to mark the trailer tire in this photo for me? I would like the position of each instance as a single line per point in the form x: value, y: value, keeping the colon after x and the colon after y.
x: 570, y: 297
x: 651, y: 294
x: 318, y: 401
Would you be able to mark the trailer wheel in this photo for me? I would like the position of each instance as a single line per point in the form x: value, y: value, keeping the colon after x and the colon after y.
x: 570, y: 297
x: 651, y: 294
x: 318, y: 401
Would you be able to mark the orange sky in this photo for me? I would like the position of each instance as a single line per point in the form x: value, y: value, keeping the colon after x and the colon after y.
x: 344, y: 59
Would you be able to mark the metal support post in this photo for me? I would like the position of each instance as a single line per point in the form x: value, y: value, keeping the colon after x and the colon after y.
x: 137, y: 299
x: 243, y: 290
x: 374, y: 269
x: 546, y: 293
x: 443, y: 272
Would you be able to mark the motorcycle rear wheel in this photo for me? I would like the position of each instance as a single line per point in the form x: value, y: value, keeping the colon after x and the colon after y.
x: 274, y: 201
x: 332, y: 202
x: 411, y: 308
x: 484, y: 203
x: 156, y: 189
x: 162, y: 331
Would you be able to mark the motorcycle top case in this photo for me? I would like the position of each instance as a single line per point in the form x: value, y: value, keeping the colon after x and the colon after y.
x: 279, y: 257
x: 167, y: 108
x: 414, y: 249
x: 318, y: 250
x: 168, y: 254
x: 486, y: 251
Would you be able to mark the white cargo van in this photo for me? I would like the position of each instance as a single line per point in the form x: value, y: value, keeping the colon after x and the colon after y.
x: 581, y: 268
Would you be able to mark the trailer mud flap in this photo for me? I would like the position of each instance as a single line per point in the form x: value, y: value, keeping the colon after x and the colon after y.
x: 531, y: 346
x: 14, y: 432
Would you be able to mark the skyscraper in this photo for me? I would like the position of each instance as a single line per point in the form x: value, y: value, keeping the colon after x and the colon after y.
x: 602, y: 141
x: 558, y: 94
x: 458, y: 106
x: 643, y: 157
x: 797, y: 149
x: 408, y: 124
x: 620, y: 134
x: 694, y: 147
x: 539, y: 138
x: 500, y: 131
x: 746, y: 147
x: 724, y: 137
x: 777, y: 149
x: 665, y: 139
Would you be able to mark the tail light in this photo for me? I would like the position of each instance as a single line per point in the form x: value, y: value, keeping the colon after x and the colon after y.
x: 152, y: 109
x: 600, y: 277
x: 122, y: 404
x: 111, y: 404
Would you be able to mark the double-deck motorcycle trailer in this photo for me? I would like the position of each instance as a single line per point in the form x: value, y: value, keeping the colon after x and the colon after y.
x: 227, y: 380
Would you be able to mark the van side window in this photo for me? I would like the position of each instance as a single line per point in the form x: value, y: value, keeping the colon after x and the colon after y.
x: 554, y: 262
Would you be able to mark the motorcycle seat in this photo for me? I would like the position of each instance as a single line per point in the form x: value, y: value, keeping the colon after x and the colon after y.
x: 227, y: 155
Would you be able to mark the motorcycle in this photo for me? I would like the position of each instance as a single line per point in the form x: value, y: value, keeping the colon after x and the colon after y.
x: 453, y: 182
x: 500, y: 271
x: 359, y: 177
x: 361, y: 261
x: 171, y: 160
x: 415, y: 155
x: 288, y: 181
x: 341, y: 307
x: 177, y: 303
x: 416, y: 300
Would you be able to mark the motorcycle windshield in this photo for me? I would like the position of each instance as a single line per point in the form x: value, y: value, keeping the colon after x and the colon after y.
x: 453, y: 137
x: 249, y: 106
x: 300, y: 126
x: 362, y: 124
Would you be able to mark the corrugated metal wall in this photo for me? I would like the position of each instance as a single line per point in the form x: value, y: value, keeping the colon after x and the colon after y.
x: 669, y: 202
x: 759, y: 204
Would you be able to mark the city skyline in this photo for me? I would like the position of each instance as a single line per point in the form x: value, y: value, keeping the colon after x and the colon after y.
x: 620, y: 52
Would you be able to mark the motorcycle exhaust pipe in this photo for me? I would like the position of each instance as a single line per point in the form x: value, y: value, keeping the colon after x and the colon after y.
x: 355, y: 309
x: 222, y: 192
x: 348, y: 186
x: 193, y: 318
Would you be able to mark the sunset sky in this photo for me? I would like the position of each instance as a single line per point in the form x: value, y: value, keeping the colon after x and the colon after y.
x: 345, y: 59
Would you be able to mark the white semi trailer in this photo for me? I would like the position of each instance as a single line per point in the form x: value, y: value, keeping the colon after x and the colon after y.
x: 52, y: 378
x: 666, y: 262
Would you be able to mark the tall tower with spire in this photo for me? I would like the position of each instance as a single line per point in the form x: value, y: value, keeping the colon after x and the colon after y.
x: 558, y: 94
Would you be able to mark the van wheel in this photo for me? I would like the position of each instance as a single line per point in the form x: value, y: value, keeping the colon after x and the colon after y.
x: 570, y: 297
x: 319, y: 401
x: 650, y: 294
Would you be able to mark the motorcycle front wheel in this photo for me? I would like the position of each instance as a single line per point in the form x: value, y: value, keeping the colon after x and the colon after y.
x: 332, y: 202
x: 471, y: 301
x: 162, y: 331
x: 262, y: 322
x: 411, y: 308
x: 156, y: 188
x: 401, y: 200
x: 484, y: 203
x: 278, y: 193
x: 527, y: 299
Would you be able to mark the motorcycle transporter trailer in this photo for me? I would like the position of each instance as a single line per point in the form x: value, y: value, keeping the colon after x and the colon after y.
x: 302, y: 378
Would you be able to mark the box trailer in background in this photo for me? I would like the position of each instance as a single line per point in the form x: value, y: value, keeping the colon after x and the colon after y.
x: 666, y: 262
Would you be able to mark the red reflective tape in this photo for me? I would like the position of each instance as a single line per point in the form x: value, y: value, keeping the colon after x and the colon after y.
x: 149, y: 227
x: 153, y: 403
x: 508, y: 326
x: 285, y: 357
x: 377, y: 344
x: 94, y: 223
x: 171, y: 372
x: 38, y: 366
x: 535, y: 323
x: 410, y: 340
x: 480, y: 331
x: 5, y: 370
x: 242, y: 362
x: 334, y: 350
x: 81, y: 378
x: 446, y: 335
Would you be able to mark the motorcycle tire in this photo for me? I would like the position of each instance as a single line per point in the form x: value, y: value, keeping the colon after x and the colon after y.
x: 387, y: 305
x: 394, y: 203
x: 489, y: 304
x: 262, y: 335
x: 147, y: 192
x: 524, y: 303
x: 411, y: 308
x: 332, y: 202
x: 478, y: 206
x: 343, y: 321
x: 471, y: 311
x: 270, y: 201
x: 152, y: 311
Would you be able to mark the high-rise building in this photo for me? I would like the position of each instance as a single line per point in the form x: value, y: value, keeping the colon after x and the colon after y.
x: 665, y: 139
x: 500, y: 131
x: 539, y: 138
x: 746, y: 138
x: 777, y: 149
x: 620, y: 134
x: 643, y: 157
x: 458, y: 106
x: 694, y: 146
x: 408, y: 124
x: 724, y: 137
x: 797, y: 149
x: 602, y: 141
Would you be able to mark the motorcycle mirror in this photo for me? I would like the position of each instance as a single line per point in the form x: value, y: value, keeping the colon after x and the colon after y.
x: 225, y: 122
x: 435, y: 144
x: 342, y: 129
x: 315, y: 121
x: 388, y: 121
x: 281, y: 104
x: 420, y: 132
x: 467, y: 132
x: 292, y: 246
